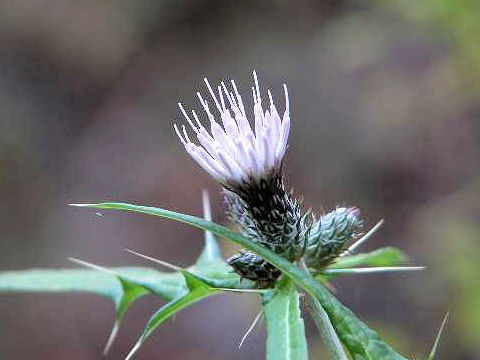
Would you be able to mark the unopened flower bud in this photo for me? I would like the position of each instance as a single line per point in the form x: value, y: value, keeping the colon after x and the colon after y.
x: 329, y: 235
x: 253, y: 267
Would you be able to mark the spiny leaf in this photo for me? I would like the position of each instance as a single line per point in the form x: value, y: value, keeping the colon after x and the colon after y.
x: 195, y: 290
x: 198, y: 290
x: 285, y: 327
x: 132, y: 290
x: 104, y: 284
x: 362, y: 342
x: 164, y: 285
x: 387, y: 256
x: 121, y: 285
x: 431, y: 356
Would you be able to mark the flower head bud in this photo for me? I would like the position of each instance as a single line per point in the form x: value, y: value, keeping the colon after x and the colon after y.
x: 253, y: 267
x: 329, y: 235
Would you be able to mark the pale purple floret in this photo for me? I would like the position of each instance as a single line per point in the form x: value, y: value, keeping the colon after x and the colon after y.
x: 234, y: 152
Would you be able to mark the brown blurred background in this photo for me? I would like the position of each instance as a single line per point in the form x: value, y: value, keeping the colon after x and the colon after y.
x: 385, y: 106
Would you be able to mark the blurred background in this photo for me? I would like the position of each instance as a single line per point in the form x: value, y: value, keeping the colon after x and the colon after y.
x: 385, y: 102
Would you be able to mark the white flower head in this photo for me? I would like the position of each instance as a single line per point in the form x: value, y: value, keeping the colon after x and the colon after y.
x: 236, y: 153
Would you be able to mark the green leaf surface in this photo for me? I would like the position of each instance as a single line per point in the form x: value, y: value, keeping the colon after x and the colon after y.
x: 371, y: 270
x: 327, y: 332
x: 121, y: 285
x: 362, y: 342
x: 285, y: 328
x: 387, y: 256
x: 109, y: 285
x: 198, y: 290
x: 193, y: 289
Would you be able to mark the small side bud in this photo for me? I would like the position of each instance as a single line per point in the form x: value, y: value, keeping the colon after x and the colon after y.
x: 253, y: 267
x: 330, y: 234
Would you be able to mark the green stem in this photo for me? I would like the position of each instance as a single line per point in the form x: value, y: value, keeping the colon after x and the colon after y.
x: 327, y: 332
x: 325, y: 327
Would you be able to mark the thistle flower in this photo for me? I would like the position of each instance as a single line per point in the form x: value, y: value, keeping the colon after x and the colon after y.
x: 247, y: 161
x: 235, y: 154
x: 329, y: 235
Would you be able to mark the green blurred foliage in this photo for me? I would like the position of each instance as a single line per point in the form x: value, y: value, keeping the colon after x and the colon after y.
x: 461, y: 245
x: 454, y: 21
